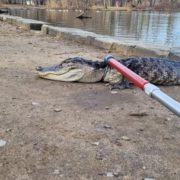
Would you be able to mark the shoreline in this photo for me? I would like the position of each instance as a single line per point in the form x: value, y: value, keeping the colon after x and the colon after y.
x: 89, y: 38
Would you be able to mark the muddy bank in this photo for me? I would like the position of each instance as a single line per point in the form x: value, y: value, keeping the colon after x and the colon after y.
x: 55, y: 130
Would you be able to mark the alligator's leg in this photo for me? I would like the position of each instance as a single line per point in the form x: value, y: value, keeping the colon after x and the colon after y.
x: 123, y: 84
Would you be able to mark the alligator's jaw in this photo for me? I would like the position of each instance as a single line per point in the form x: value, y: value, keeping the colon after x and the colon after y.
x: 73, y: 75
x: 57, y: 73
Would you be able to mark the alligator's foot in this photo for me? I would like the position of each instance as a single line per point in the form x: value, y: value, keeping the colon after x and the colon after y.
x: 124, y: 84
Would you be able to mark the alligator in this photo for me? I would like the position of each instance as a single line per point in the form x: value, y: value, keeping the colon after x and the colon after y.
x: 159, y: 71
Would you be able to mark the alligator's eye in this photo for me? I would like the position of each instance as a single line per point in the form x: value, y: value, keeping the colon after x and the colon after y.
x: 67, y: 64
x: 39, y: 68
x: 73, y: 67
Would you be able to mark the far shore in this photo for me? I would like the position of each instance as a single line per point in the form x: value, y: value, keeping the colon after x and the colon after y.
x: 101, y: 8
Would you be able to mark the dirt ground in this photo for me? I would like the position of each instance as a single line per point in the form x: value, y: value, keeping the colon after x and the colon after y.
x: 71, y: 131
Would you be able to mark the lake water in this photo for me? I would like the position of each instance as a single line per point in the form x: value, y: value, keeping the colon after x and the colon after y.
x: 157, y: 29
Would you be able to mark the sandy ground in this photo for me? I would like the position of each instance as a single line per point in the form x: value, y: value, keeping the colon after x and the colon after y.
x: 72, y: 131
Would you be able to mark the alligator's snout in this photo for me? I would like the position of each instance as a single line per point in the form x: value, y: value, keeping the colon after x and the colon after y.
x: 60, y: 73
x: 53, y: 69
x: 39, y: 68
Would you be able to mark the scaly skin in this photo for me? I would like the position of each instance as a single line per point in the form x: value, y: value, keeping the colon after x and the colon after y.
x: 156, y: 70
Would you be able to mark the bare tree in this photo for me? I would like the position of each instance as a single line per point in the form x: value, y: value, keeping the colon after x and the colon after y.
x: 152, y: 3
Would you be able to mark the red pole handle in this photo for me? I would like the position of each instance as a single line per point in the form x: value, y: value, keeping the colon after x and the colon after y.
x: 130, y: 75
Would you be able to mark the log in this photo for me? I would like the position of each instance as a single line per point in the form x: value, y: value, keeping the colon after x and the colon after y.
x: 83, y: 16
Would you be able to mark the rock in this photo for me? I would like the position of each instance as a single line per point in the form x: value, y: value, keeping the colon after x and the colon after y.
x: 125, y: 138
x: 168, y: 119
x: 138, y: 114
x: 117, y: 174
x: 101, y: 174
x: 166, y: 138
x: 109, y: 174
x: 149, y: 179
x: 57, y: 110
x: 107, y: 126
x: 141, y: 129
x: 107, y: 108
x: 56, y: 171
x: 114, y: 92
x: 95, y: 143
x: 35, y: 104
x: 2, y: 143
x: 8, y: 130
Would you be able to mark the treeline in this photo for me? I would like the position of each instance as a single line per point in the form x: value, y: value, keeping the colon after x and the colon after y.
x: 81, y: 4
x: 110, y: 3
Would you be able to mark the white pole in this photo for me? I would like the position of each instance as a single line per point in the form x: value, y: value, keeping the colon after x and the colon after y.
x: 163, y: 98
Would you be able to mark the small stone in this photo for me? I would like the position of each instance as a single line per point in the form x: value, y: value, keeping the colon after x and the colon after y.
x: 35, y: 104
x: 114, y: 92
x: 166, y: 138
x: 109, y: 174
x: 56, y: 171
x: 101, y: 174
x: 117, y: 174
x: 8, y: 130
x: 95, y: 143
x: 57, y: 110
x: 144, y: 167
x: 141, y: 129
x: 168, y: 119
x: 149, y: 179
x: 2, y: 143
x: 107, y: 108
x: 125, y: 138
x: 107, y: 126
x: 138, y: 114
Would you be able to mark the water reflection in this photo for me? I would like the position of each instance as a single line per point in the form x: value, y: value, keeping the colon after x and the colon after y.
x: 158, y: 29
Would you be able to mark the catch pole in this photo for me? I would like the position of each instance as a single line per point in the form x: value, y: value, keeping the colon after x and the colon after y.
x: 150, y: 89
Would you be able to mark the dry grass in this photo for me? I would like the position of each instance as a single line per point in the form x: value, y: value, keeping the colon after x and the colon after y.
x: 167, y: 6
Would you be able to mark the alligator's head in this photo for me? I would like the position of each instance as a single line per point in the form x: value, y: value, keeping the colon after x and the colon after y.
x: 79, y: 70
x: 74, y: 69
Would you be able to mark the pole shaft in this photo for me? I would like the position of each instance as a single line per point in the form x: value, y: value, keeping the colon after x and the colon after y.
x: 163, y: 98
